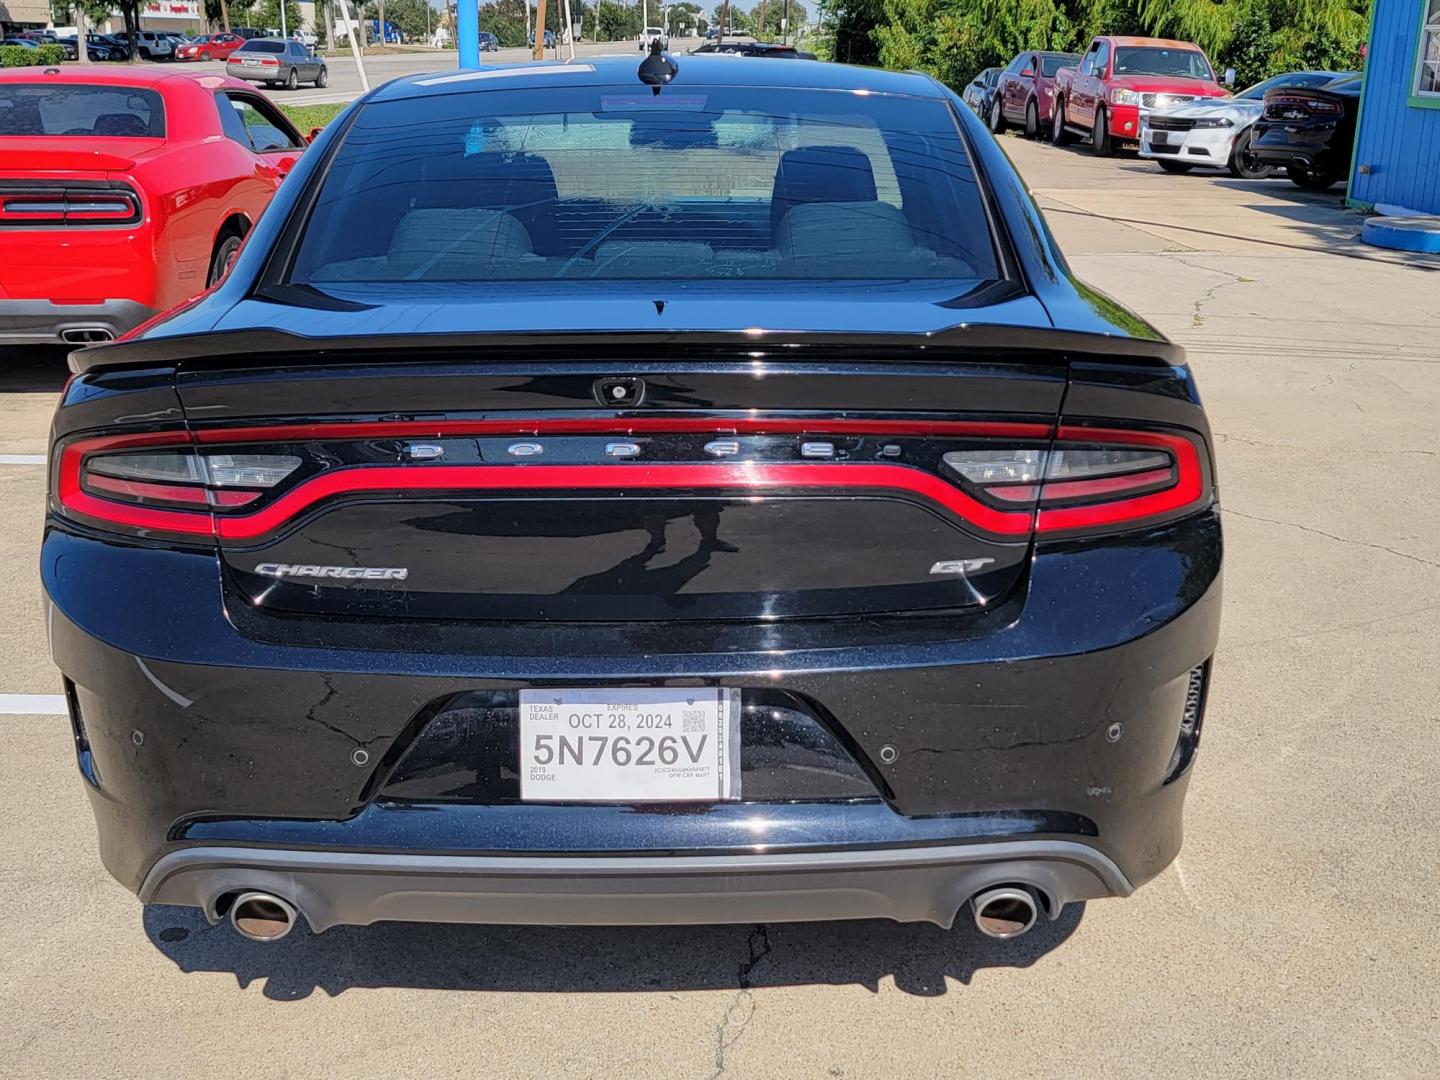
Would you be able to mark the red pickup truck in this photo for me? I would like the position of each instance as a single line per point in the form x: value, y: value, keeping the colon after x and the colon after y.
x: 1120, y: 79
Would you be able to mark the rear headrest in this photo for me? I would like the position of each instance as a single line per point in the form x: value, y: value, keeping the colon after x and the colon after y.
x: 490, y: 180
x: 443, y: 242
x: 820, y: 174
x: 844, y: 231
x: 120, y: 123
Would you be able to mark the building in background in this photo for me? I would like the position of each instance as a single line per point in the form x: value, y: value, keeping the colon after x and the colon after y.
x: 1397, y: 143
x: 24, y: 14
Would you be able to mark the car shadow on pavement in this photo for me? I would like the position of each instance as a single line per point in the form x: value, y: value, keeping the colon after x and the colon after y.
x: 920, y: 958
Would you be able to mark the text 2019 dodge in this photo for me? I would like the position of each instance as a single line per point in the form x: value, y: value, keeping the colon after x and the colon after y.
x: 661, y: 496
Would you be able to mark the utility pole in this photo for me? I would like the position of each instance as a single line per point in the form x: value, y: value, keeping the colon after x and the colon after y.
x: 724, y: 19
x: 569, y: 30
x: 763, y: 28
x: 284, y: 31
x: 381, y: 42
x: 224, y: 16
x: 538, y: 52
x: 467, y: 32
x: 785, y: 25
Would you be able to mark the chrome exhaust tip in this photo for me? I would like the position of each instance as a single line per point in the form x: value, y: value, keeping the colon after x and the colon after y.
x: 261, y: 917
x: 87, y: 335
x: 1004, y: 913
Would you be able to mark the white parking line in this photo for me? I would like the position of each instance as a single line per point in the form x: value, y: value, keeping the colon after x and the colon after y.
x: 32, y: 704
x: 22, y: 459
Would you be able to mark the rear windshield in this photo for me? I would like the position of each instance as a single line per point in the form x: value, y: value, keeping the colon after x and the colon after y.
x: 1049, y: 65
x: 619, y: 184
x: 264, y: 45
x: 80, y: 110
x: 1174, y: 63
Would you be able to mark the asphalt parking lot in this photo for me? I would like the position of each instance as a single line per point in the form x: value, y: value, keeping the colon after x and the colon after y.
x: 1294, y: 936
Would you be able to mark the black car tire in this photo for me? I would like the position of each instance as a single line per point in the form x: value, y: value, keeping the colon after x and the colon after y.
x: 1032, y: 121
x: 1243, y: 164
x: 1175, y: 166
x: 1059, y: 134
x: 1311, y: 180
x: 292, y: 81
x: 997, y: 117
x: 323, y: 79
x: 204, y: 56
x: 220, y: 258
x: 1100, y: 144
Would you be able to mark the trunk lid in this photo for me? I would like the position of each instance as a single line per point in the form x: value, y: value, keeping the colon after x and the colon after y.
x: 587, y: 479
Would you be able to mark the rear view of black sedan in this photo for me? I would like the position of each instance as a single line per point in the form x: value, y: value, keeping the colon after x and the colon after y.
x: 1309, y: 131
x: 590, y: 500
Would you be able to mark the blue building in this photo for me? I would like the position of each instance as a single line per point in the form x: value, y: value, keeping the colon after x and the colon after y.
x: 1397, y: 144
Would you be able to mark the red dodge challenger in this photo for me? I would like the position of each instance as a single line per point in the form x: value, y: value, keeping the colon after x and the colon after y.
x: 124, y: 192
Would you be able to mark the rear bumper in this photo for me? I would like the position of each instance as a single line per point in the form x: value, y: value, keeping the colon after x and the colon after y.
x: 1053, y: 719
x: 929, y: 884
x: 44, y: 322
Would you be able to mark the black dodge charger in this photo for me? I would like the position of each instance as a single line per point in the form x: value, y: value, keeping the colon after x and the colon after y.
x: 661, y: 495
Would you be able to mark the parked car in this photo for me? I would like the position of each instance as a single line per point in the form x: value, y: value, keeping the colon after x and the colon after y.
x: 489, y: 42
x: 248, y: 32
x: 1025, y: 94
x: 1309, y: 132
x: 277, y: 62
x: 210, y: 47
x: 549, y: 39
x: 124, y: 191
x: 748, y: 47
x: 1122, y: 79
x: 979, y: 93
x: 1217, y: 132
x: 308, y: 38
x: 26, y: 42
x: 96, y: 49
x: 654, y: 33
x: 151, y: 45
x: 641, y: 643
x: 118, y: 46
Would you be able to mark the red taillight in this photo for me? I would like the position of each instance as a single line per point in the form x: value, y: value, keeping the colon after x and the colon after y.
x: 1299, y: 106
x: 158, y: 483
x: 1089, y: 478
x: 45, y: 203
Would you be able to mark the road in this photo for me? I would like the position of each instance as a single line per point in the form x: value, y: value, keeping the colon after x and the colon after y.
x: 1293, y: 938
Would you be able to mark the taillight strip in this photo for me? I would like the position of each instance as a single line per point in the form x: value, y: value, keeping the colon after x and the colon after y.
x: 593, y: 425
x: 1188, y: 490
x: 752, y: 476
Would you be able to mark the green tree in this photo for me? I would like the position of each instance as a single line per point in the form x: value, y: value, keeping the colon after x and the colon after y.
x: 683, y: 17
x: 765, y: 18
x: 617, y: 22
x: 267, y: 15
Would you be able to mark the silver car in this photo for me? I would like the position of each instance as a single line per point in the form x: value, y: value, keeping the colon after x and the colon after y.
x: 277, y: 62
x: 1215, y: 132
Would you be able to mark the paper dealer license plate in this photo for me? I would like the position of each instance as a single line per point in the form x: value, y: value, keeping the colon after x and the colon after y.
x: 629, y: 745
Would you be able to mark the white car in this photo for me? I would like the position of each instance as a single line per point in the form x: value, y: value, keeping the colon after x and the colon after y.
x: 307, y: 38
x: 654, y: 33
x: 1215, y: 133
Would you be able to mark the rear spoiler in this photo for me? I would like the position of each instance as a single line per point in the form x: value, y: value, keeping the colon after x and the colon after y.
x: 978, y: 342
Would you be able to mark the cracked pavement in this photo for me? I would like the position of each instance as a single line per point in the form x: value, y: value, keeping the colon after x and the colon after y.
x: 1257, y: 954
